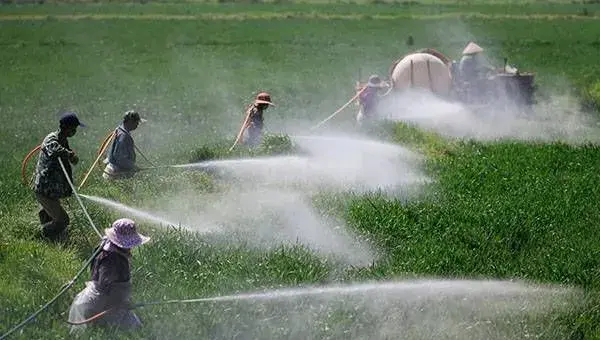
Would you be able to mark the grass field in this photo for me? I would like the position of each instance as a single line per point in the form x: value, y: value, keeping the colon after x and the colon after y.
x: 499, y: 210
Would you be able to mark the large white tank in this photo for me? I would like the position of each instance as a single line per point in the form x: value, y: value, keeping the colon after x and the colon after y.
x: 422, y: 70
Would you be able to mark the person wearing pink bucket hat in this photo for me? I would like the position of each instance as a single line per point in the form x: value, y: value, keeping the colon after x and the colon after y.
x: 110, y: 286
x: 123, y: 234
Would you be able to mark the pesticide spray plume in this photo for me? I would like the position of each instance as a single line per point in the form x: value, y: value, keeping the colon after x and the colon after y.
x: 557, y: 115
x: 336, y: 162
x: 266, y: 218
x: 270, y: 203
x: 137, y: 212
x: 263, y: 219
x: 425, y: 288
x: 554, y: 120
x: 408, y: 309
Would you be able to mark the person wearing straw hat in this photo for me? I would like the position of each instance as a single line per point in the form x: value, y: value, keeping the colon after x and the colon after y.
x: 50, y: 184
x: 121, y: 159
x: 255, y: 118
x: 368, y: 100
x: 473, y: 65
x: 110, y: 286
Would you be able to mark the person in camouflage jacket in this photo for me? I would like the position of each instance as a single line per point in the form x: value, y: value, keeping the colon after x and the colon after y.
x: 50, y: 184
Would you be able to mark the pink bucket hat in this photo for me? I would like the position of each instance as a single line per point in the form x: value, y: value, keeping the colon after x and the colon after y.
x: 123, y: 233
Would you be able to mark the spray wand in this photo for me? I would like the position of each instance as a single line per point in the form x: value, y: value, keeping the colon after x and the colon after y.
x: 103, y: 147
x: 144, y: 304
x: 340, y: 109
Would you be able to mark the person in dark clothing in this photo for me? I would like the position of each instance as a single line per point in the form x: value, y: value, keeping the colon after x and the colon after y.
x: 50, y: 184
x: 120, y: 162
x: 368, y: 100
x: 255, y: 120
x: 110, y: 285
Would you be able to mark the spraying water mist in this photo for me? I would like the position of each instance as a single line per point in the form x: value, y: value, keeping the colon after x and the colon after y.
x: 267, y: 218
x: 137, y: 212
x: 263, y: 219
x: 270, y: 205
x: 424, y: 309
x: 338, y: 163
x: 557, y: 119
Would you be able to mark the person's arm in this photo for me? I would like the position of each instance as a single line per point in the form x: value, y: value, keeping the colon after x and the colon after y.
x: 251, y: 112
x: 52, y: 148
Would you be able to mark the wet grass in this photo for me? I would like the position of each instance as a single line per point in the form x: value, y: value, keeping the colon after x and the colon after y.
x: 503, y: 210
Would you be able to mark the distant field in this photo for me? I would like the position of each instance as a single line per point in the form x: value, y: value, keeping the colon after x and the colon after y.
x: 506, y: 210
x: 306, y: 8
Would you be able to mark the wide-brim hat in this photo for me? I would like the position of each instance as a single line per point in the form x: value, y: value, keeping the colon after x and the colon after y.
x: 472, y: 48
x: 263, y: 98
x: 123, y: 233
x: 259, y: 101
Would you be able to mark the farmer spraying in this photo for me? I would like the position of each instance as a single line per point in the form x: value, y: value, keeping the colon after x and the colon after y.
x: 255, y: 118
x: 121, y: 160
x: 50, y: 184
x: 110, y: 287
x: 368, y: 100
x: 473, y: 65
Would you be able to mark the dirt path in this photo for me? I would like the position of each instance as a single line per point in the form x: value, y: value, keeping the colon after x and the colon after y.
x: 290, y: 15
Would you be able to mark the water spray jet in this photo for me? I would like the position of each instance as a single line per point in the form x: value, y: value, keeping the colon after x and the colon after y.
x: 423, y: 309
x: 137, y: 212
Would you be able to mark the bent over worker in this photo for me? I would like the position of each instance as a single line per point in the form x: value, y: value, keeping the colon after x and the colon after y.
x: 121, y: 159
x: 110, y: 286
x: 50, y: 184
x: 255, y: 118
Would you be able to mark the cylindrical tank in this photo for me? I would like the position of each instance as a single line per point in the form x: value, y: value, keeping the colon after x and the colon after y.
x: 422, y: 70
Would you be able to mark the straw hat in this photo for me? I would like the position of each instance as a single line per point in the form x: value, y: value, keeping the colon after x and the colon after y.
x: 263, y: 98
x: 472, y: 48
x: 123, y: 233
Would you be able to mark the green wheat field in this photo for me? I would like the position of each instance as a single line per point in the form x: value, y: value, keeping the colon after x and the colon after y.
x: 506, y: 209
